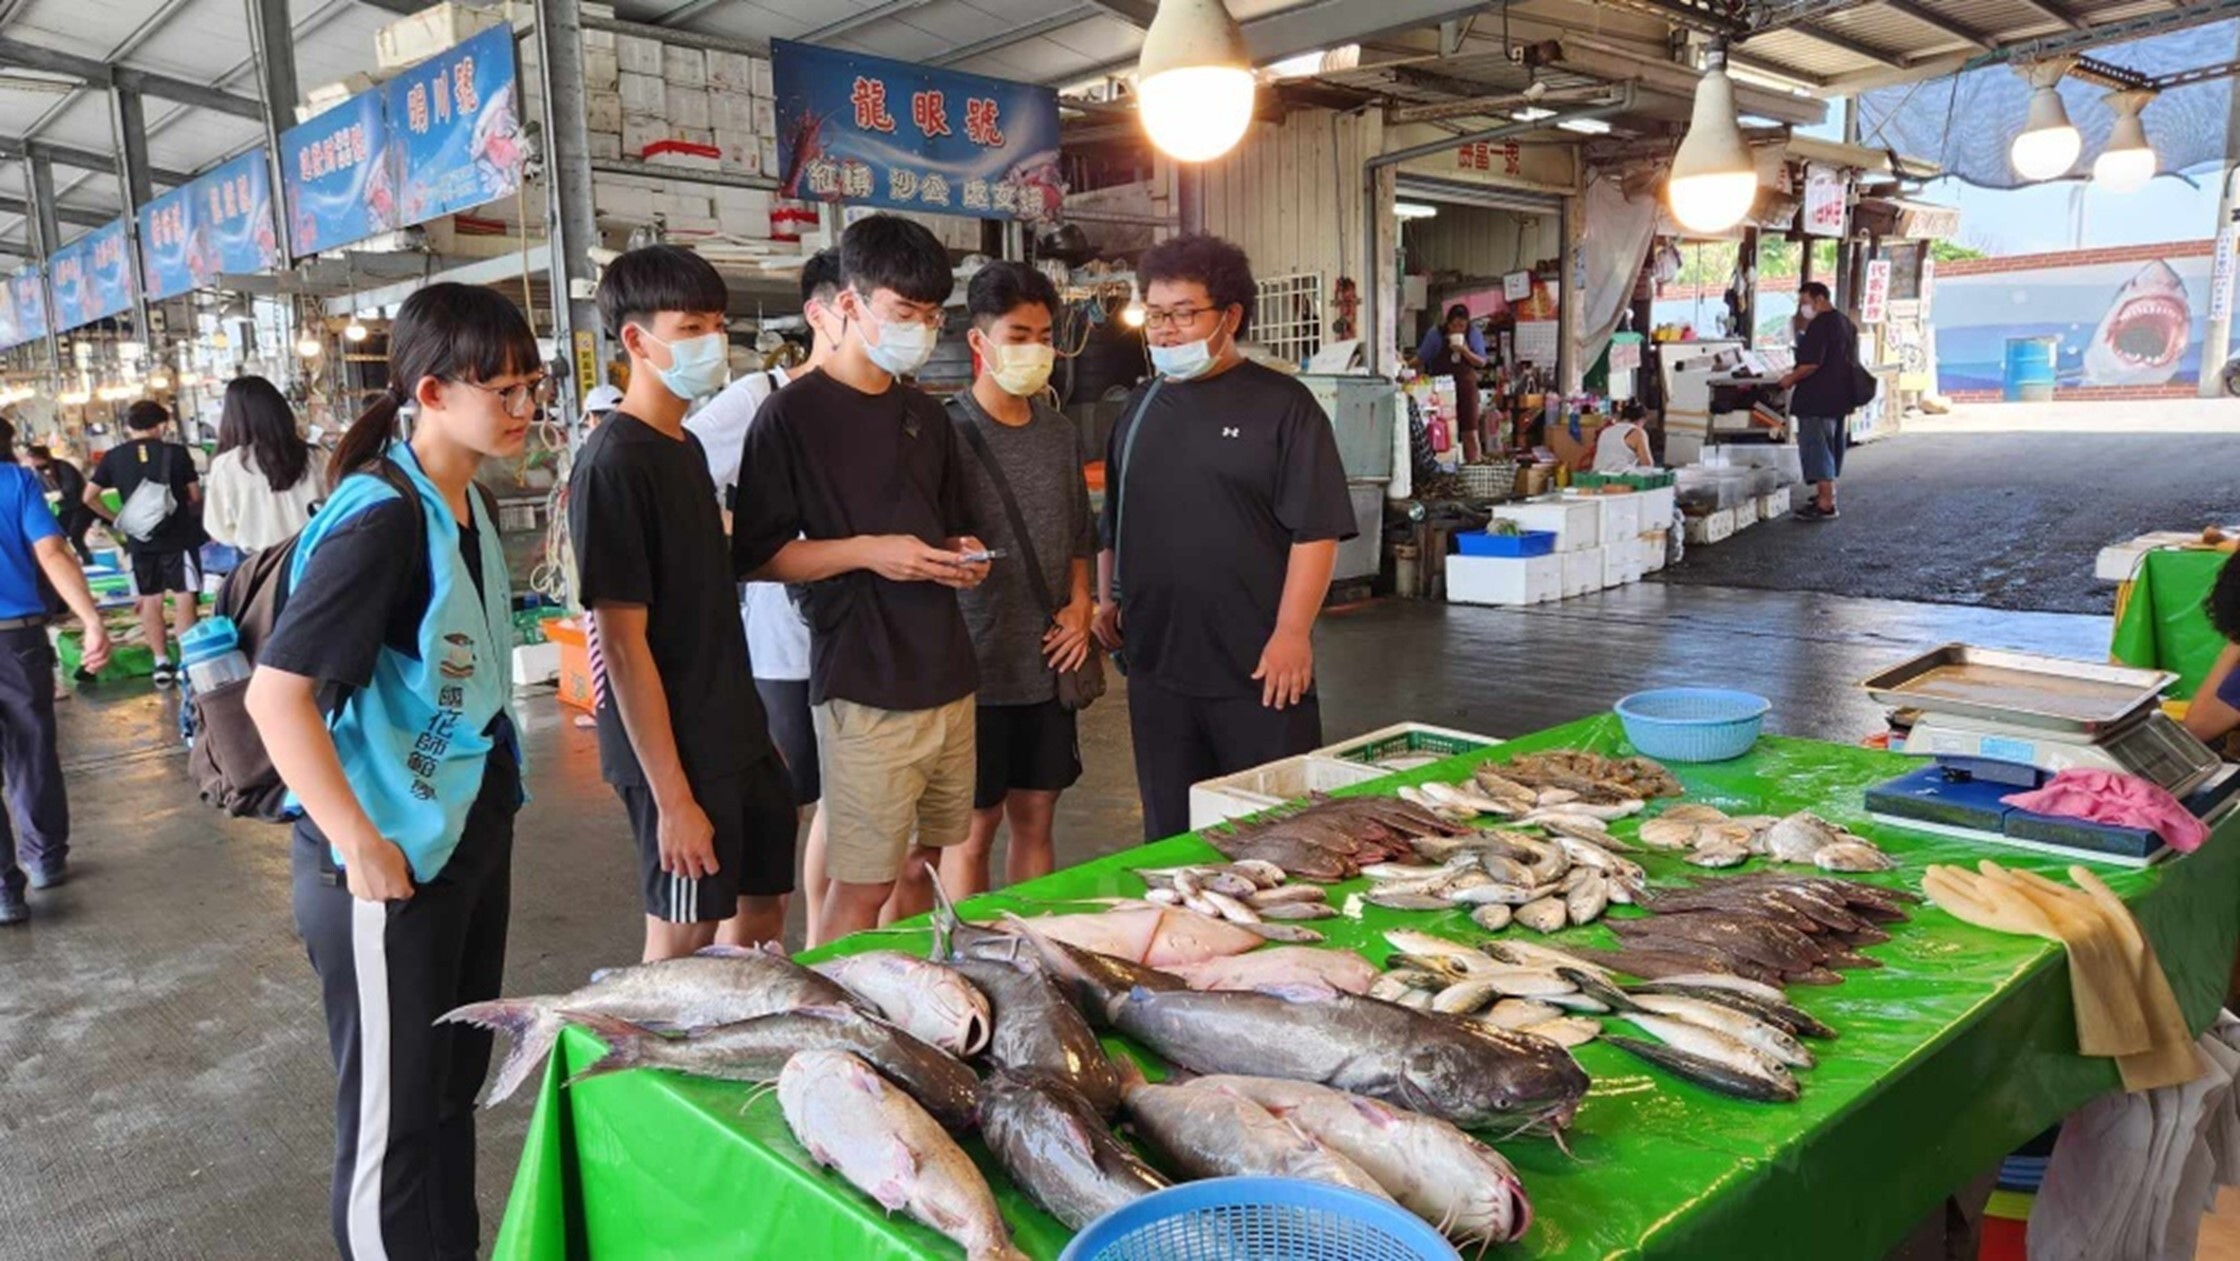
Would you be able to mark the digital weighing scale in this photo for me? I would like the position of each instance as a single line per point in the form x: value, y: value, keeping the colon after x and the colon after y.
x: 1998, y: 723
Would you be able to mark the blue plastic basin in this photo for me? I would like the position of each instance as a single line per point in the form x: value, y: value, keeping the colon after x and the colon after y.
x: 1693, y: 724
x: 1259, y: 1219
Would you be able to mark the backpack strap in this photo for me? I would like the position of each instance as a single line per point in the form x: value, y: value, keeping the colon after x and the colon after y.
x: 1041, y: 586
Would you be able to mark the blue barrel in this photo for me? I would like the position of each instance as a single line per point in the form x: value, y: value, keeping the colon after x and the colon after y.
x: 2029, y: 369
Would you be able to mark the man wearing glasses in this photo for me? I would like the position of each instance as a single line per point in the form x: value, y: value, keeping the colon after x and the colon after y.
x: 850, y: 486
x: 1224, y: 508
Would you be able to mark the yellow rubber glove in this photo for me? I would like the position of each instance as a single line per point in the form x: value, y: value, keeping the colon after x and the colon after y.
x: 2172, y: 1060
x: 2109, y: 1021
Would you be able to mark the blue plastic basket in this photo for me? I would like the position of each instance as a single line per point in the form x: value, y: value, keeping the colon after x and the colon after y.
x: 1693, y: 724
x: 1259, y: 1219
x: 1525, y: 543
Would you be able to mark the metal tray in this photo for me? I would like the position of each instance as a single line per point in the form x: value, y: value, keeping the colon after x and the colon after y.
x: 2022, y: 688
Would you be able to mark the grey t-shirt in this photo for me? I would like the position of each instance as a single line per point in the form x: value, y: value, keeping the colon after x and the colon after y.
x: 1042, y: 462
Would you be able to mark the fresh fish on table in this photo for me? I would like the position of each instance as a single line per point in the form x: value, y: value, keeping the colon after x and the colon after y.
x: 1035, y: 1028
x: 1492, y: 916
x: 1681, y: 982
x: 717, y: 986
x: 1405, y: 901
x: 757, y: 1050
x: 1567, y: 1031
x: 1520, y: 1013
x: 1766, y: 1038
x: 1853, y: 854
x: 1586, y: 903
x: 1719, y: 854
x: 1281, y: 965
x: 928, y: 1000
x: 1544, y: 916
x: 1798, y: 837
x: 1293, y: 934
x: 1280, y: 895
x: 1207, y: 1133
x: 1156, y: 936
x: 1436, y: 1171
x: 1517, y: 952
x: 1055, y: 1146
x: 1745, y: 1082
x: 1717, y: 1047
x: 1297, y: 911
x: 853, y: 1121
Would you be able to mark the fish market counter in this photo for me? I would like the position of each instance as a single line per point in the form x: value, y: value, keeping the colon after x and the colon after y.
x: 1954, y: 1052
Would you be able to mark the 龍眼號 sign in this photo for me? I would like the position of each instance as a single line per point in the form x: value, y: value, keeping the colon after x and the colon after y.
x: 219, y: 222
x: 876, y: 132
x: 456, y: 128
x: 92, y: 277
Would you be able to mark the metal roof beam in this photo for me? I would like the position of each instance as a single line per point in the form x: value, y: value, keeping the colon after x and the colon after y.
x: 861, y: 18
x: 15, y: 52
x: 1017, y: 35
x: 83, y: 159
x: 63, y: 214
x: 1937, y: 21
x: 1839, y: 40
x: 1136, y: 13
x: 1312, y: 26
x: 2054, y: 11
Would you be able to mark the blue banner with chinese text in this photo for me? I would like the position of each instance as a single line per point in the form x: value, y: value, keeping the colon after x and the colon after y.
x: 92, y: 277
x: 876, y: 132
x: 220, y: 222
x: 335, y: 169
x: 456, y: 127
x: 23, y: 307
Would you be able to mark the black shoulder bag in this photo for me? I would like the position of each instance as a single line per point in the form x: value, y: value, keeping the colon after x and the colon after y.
x: 1079, y: 687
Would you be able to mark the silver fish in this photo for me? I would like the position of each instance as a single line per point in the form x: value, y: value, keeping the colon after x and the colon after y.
x: 1567, y: 1031
x: 1035, y: 1027
x: 1432, y: 946
x: 1533, y: 954
x: 717, y: 986
x: 1719, y: 854
x: 1745, y: 1082
x: 1544, y: 916
x: 1208, y: 1133
x: 1715, y: 1045
x: 1727, y: 1020
x: 1494, y: 894
x: 1282, y: 894
x: 1464, y: 997
x: 1691, y: 812
x: 1798, y: 837
x: 1667, y: 833
x: 1163, y: 897
x: 1493, y: 916
x: 1261, y: 872
x: 1853, y: 854
x: 1520, y: 1013
x: 1053, y: 1144
x: 1297, y: 911
x: 1585, y: 904
x: 1436, y: 1171
x: 1404, y: 901
x: 1231, y: 909
x: 853, y: 1121
x: 1289, y: 934
x: 928, y: 1000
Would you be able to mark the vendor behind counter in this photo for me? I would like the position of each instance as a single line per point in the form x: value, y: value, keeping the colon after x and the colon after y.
x: 1455, y: 348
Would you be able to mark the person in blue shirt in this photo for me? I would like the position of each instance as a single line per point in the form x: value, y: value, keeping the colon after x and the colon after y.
x: 381, y: 698
x: 2214, y: 712
x: 1455, y: 348
x: 32, y: 547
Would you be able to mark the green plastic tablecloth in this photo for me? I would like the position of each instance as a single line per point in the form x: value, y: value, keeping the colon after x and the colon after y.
x: 2163, y: 626
x: 1958, y: 1050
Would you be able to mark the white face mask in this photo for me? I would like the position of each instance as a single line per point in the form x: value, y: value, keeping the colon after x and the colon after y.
x: 1020, y: 369
x: 901, y: 349
x: 698, y: 366
x: 1186, y: 362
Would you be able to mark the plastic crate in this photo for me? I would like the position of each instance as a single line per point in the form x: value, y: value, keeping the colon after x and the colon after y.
x: 1406, y: 740
x: 1271, y: 785
x: 575, y: 661
x: 1525, y: 543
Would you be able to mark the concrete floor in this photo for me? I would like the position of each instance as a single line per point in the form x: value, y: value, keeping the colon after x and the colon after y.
x: 164, y: 1086
x: 1998, y: 511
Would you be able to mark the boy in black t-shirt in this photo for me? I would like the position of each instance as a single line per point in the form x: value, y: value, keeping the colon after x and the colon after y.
x: 163, y: 560
x: 682, y: 735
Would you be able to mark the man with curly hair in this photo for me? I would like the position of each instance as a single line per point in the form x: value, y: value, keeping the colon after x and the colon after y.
x: 1225, y: 506
x: 2214, y: 712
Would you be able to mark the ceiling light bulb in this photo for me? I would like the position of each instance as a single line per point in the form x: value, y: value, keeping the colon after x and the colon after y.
x: 2048, y: 144
x: 1132, y: 314
x: 1413, y: 210
x: 1714, y: 179
x: 308, y: 346
x: 355, y: 331
x: 1194, y: 83
x: 2128, y: 161
x: 158, y: 381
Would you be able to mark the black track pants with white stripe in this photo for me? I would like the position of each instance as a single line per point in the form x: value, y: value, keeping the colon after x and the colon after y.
x: 404, y: 1098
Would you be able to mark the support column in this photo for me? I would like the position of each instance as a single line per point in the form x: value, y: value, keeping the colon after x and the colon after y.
x: 1190, y: 195
x: 47, y: 233
x: 129, y: 125
x: 2216, y: 339
x: 272, y: 40
x: 570, y: 216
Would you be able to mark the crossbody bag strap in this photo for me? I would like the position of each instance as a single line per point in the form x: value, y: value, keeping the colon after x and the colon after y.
x: 1011, y: 511
x: 1127, y: 461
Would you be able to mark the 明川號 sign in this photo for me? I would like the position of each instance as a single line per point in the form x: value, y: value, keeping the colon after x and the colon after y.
x: 875, y: 132
x: 456, y: 128
x: 219, y: 222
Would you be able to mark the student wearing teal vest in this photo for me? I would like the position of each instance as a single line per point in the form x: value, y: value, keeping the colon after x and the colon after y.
x: 381, y: 696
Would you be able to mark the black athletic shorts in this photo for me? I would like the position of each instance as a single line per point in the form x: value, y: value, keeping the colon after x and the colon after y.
x: 154, y: 573
x: 1029, y: 747
x: 754, y: 822
x: 794, y: 730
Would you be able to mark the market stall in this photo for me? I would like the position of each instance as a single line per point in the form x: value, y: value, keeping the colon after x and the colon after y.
x: 1960, y: 1045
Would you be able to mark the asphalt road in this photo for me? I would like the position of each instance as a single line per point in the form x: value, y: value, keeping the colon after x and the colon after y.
x: 1995, y: 520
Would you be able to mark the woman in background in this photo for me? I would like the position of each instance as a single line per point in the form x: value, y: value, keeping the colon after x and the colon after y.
x: 63, y: 478
x: 2214, y: 712
x: 262, y: 484
x: 1455, y: 348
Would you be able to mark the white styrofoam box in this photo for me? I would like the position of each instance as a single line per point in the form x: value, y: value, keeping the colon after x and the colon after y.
x: 686, y: 225
x: 639, y: 131
x: 769, y: 147
x: 1655, y: 548
x: 1774, y: 506
x: 687, y: 107
x: 742, y: 155
x: 1617, y: 561
x: 603, y: 41
x: 765, y: 116
x: 685, y: 205
x: 763, y: 86
x: 731, y: 72
x: 602, y: 70
x: 1656, y: 508
x: 638, y: 56
x: 1745, y: 514
x: 428, y: 32
x: 1264, y: 787
x: 1621, y: 516
x: 1577, y: 523
x: 606, y: 146
x: 702, y: 136
x: 602, y: 111
x: 643, y: 94
x: 744, y: 211
x: 731, y: 114
x: 1582, y: 571
x: 1714, y: 527
x: 1783, y: 458
x: 328, y: 95
x: 1510, y: 580
x: 623, y: 200
x: 535, y: 664
x: 685, y: 67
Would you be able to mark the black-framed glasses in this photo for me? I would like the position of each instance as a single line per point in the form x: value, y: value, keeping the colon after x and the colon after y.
x: 522, y: 398
x: 1179, y: 317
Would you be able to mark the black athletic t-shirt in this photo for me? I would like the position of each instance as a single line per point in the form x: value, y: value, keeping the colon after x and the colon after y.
x: 1228, y: 474
x: 643, y: 518
x: 1831, y: 342
x: 124, y: 467
x: 827, y: 461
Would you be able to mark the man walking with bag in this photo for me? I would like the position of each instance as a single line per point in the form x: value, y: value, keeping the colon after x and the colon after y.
x: 1823, y: 389
x: 159, y: 523
x: 1030, y: 620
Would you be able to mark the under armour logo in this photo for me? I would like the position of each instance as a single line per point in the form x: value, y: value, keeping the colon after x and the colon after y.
x: 1231, y: 433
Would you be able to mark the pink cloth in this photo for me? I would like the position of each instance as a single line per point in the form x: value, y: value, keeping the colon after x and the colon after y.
x: 2123, y: 800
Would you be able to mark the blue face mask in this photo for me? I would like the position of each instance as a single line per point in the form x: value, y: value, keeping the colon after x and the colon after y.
x: 698, y: 366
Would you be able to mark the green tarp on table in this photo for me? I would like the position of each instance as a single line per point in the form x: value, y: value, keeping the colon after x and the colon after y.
x: 2163, y: 626
x: 1955, y: 1052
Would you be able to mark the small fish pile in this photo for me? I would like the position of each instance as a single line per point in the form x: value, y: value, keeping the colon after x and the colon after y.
x: 1710, y: 838
x: 1595, y: 778
x: 1331, y: 839
x: 1722, y: 1031
x: 1247, y: 892
x: 1773, y: 927
x: 1148, y: 933
x: 1505, y: 875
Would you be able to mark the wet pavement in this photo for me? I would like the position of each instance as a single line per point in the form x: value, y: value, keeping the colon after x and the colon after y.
x: 2000, y: 520
x: 164, y: 1083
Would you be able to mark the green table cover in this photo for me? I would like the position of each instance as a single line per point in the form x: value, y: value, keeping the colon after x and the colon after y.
x: 1958, y: 1050
x: 2163, y: 626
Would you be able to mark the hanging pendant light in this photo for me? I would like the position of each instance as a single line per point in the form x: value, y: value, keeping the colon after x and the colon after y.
x: 355, y: 331
x: 2048, y: 144
x: 1714, y: 179
x: 309, y: 345
x: 2128, y: 161
x: 1194, y: 83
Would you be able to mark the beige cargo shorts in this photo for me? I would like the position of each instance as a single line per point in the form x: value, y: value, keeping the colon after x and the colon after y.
x: 890, y: 775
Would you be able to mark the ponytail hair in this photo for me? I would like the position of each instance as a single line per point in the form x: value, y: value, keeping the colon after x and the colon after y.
x: 451, y: 332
